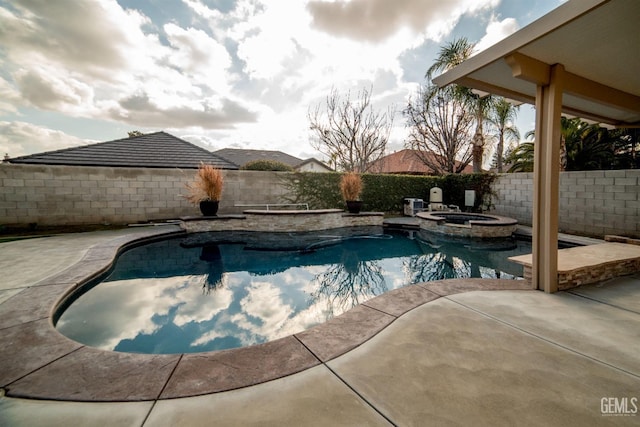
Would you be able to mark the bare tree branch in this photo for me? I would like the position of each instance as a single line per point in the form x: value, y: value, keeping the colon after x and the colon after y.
x: 440, y: 125
x: 350, y: 132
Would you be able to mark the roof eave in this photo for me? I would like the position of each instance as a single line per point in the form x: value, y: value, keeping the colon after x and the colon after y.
x: 560, y: 16
x: 585, y: 98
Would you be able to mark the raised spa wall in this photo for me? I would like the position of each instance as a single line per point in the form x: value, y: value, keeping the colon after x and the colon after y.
x: 492, y: 227
x: 282, y: 221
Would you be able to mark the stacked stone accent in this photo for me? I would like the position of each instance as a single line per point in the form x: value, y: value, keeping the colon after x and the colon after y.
x: 494, y: 226
x: 589, y: 264
x: 282, y: 221
x: 598, y: 273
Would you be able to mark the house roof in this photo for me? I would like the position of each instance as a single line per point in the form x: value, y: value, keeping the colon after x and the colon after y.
x: 597, y: 43
x: 405, y: 162
x: 316, y: 161
x: 241, y: 156
x: 153, y: 150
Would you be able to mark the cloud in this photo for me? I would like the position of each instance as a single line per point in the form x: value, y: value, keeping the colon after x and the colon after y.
x: 140, y: 303
x: 496, y: 31
x: 47, y: 90
x: 202, y: 308
x: 211, y: 113
x: 10, y: 97
x: 208, y: 142
x: 143, y: 307
x: 376, y: 20
x: 101, y: 61
x: 91, y: 36
x: 265, y: 313
x: 203, y: 58
x: 270, y: 36
x: 20, y: 138
x: 235, y: 73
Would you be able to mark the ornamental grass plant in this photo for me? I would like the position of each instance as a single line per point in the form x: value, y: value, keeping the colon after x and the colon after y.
x: 351, y: 186
x: 207, y: 185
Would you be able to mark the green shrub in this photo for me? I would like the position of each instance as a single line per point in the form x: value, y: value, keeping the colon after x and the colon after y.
x: 319, y: 190
x: 266, y: 165
x: 386, y: 193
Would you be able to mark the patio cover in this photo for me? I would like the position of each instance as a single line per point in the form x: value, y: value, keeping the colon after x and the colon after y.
x: 582, y: 59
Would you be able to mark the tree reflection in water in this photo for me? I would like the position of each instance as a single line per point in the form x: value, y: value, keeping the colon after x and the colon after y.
x: 348, y: 283
x: 437, y: 266
x: 216, y: 277
x: 439, y: 261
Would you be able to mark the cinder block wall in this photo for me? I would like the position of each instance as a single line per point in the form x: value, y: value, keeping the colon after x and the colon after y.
x: 592, y: 203
x: 63, y: 195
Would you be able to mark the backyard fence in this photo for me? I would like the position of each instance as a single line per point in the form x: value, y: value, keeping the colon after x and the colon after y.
x: 74, y: 195
x: 592, y: 203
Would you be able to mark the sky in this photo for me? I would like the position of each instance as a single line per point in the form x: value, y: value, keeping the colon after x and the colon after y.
x: 223, y: 73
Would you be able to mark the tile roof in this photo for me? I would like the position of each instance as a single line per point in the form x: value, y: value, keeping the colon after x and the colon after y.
x: 240, y: 156
x: 152, y: 150
x: 406, y: 162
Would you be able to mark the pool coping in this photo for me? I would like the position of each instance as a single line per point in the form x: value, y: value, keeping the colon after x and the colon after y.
x: 41, y: 363
x: 494, y: 221
x: 494, y: 226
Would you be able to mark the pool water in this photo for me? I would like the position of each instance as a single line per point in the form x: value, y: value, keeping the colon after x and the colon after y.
x: 164, y: 298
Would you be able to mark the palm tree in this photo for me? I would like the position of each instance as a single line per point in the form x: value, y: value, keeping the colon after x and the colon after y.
x: 502, y: 118
x: 571, y: 131
x: 570, y: 135
x: 588, y: 146
x: 450, y: 55
x: 521, y: 159
x: 582, y: 147
x: 482, y: 107
x: 626, y: 144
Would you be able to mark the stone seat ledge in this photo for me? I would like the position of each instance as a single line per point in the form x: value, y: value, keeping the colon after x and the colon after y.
x: 212, y: 218
x: 307, y: 212
x: 491, y: 221
x: 291, y: 211
x: 570, y: 259
x: 582, y: 265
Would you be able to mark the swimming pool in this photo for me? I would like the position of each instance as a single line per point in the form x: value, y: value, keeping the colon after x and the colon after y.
x: 219, y: 291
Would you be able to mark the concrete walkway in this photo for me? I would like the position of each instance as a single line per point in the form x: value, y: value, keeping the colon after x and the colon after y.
x: 499, y: 357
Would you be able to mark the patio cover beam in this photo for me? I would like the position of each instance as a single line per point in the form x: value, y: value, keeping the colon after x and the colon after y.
x: 540, y: 64
x: 546, y: 179
x: 538, y: 72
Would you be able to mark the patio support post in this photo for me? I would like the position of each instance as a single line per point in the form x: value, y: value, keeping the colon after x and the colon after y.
x: 546, y: 177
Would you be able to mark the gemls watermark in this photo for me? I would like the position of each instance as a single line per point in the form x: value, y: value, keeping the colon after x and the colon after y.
x: 619, y: 406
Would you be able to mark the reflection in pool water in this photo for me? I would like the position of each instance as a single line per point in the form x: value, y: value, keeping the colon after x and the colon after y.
x: 165, y: 298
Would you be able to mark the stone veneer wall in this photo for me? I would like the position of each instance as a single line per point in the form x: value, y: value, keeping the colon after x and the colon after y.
x: 62, y: 195
x: 592, y: 203
x: 496, y: 226
x: 287, y: 221
x: 589, y: 273
x: 477, y: 231
x: 595, y: 274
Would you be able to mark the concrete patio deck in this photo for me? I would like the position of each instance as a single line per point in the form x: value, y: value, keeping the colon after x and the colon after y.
x: 440, y: 353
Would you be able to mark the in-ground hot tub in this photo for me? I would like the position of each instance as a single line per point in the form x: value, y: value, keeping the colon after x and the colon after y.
x: 467, y: 224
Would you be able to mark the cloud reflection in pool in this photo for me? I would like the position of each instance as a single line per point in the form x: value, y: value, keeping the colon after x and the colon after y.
x: 163, y: 298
